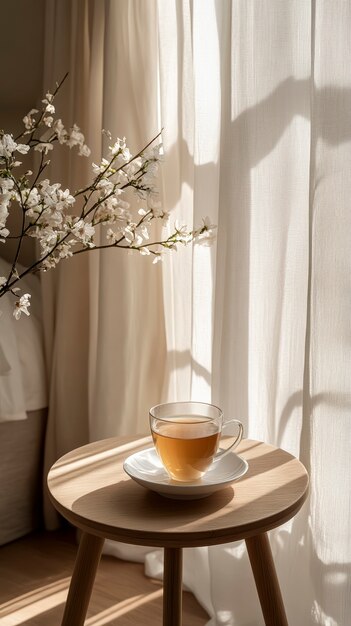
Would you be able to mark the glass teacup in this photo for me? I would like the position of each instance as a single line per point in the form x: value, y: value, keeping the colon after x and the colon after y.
x: 186, y: 436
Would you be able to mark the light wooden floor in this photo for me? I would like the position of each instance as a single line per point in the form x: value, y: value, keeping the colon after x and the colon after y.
x: 34, y: 578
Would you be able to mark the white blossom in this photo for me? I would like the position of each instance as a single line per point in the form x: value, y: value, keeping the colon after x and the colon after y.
x: 153, y: 152
x: 7, y: 146
x: 60, y: 131
x: 205, y: 235
x: 76, y: 137
x: 21, y: 306
x: 5, y: 199
x: 206, y: 238
x: 157, y: 258
x: 31, y: 197
x: 55, y: 200
x: 151, y: 170
x: 207, y: 223
x: 126, y: 155
x: 182, y: 233
x: 133, y: 168
x: 64, y: 250
x: 6, y: 184
x: 128, y: 233
x: 4, y: 203
x: 111, y: 235
x: 84, y: 151
x: 48, y: 238
x: 44, y: 147
x: 28, y: 120
x: 49, y: 263
x: 48, y: 120
x: 107, y: 186
x: 65, y: 198
x: 106, y: 212
x: 48, y: 97
x: 4, y: 232
x: 50, y: 108
x: 84, y: 232
x: 142, y: 231
x: 22, y: 148
x: 98, y: 169
x: 118, y: 146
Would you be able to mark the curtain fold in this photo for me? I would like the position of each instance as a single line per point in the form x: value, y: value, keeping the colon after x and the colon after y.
x: 254, y: 99
x: 329, y: 391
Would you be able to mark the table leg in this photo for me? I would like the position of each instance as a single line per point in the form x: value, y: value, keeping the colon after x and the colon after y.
x: 266, y: 580
x: 82, y: 580
x: 172, y: 587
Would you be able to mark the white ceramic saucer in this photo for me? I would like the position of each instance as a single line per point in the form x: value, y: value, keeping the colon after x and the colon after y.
x: 146, y: 469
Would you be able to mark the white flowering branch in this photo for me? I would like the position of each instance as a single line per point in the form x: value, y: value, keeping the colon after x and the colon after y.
x: 51, y: 214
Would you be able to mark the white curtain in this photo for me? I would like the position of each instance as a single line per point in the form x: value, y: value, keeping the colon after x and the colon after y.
x: 255, y: 101
x: 256, y: 109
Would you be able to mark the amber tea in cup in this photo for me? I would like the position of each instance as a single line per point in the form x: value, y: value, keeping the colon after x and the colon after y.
x: 186, y: 436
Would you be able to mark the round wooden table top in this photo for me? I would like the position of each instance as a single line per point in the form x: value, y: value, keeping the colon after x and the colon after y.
x: 89, y: 487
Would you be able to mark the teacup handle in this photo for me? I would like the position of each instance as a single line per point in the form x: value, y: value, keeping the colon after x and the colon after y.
x: 221, y: 453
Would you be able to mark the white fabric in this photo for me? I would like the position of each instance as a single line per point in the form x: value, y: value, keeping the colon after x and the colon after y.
x: 22, y: 367
x: 256, y: 111
x: 255, y: 105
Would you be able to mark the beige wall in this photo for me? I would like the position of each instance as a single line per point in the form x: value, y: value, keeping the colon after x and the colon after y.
x: 21, y: 53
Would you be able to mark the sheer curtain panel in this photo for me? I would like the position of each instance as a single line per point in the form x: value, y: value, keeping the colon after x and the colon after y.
x: 257, y: 117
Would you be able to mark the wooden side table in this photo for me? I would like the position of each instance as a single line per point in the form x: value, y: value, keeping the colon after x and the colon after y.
x: 89, y: 487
